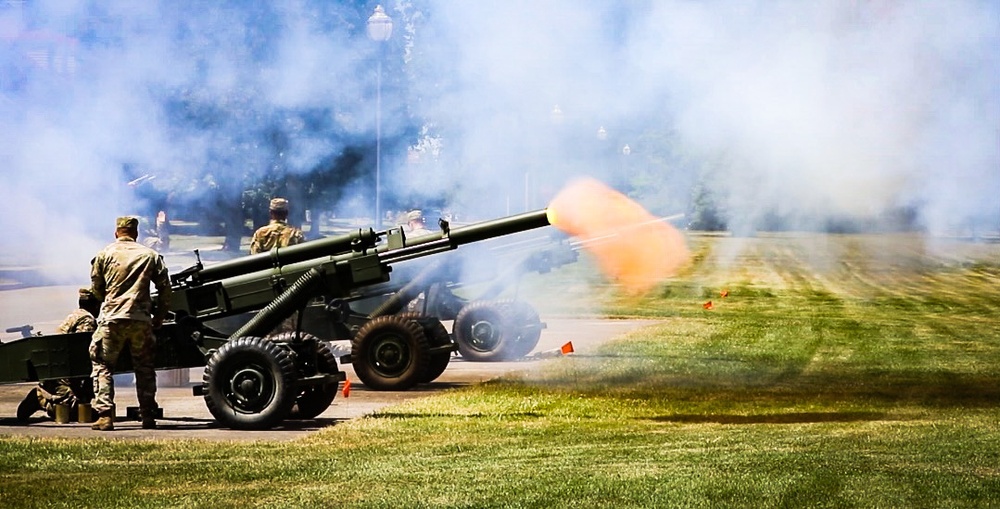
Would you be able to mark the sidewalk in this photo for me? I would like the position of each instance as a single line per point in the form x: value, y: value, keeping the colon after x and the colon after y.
x: 185, y: 416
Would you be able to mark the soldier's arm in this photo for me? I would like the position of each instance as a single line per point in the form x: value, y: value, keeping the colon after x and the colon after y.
x: 162, y: 282
x: 78, y: 322
x: 87, y: 324
x: 254, y: 243
x: 97, y: 284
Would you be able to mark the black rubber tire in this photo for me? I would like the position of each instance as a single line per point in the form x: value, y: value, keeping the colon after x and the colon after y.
x: 484, y: 332
x: 528, y: 327
x: 315, y: 399
x: 251, y: 383
x: 437, y: 335
x: 390, y: 353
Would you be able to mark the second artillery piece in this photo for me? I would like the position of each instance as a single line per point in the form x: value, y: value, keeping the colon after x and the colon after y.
x: 472, y: 289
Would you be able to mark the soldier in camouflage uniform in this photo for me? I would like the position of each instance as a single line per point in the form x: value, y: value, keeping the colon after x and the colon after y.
x: 277, y: 233
x: 120, y: 276
x: 65, y: 391
x: 416, y: 223
x: 417, y: 226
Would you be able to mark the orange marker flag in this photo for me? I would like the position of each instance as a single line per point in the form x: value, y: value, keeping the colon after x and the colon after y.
x: 347, y: 388
x: 708, y: 305
x: 567, y: 348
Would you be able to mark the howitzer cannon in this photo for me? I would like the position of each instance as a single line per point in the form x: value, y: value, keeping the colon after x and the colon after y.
x: 488, y: 323
x: 255, y: 378
x: 476, y: 290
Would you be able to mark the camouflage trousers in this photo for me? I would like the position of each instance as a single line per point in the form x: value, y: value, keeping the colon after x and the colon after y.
x: 65, y: 391
x: 108, y: 342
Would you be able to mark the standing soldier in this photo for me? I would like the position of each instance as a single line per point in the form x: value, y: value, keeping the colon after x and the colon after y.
x: 65, y: 391
x: 277, y: 233
x: 415, y: 221
x: 120, y: 277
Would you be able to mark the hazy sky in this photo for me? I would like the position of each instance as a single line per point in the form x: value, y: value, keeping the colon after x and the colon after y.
x: 814, y: 109
x: 809, y: 108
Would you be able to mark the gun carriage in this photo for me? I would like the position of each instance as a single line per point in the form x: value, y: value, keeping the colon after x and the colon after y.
x: 267, y: 370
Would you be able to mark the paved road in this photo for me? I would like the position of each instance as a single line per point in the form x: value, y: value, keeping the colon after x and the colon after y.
x: 185, y: 415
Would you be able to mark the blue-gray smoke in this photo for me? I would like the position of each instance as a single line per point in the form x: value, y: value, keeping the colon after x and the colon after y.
x: 809, y: 110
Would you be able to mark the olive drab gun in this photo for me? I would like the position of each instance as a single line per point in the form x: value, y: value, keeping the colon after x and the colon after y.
x: 476, y: 290
x: 253, y: 377
x: 488, y: 322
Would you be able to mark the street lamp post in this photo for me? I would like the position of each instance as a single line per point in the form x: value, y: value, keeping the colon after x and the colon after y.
x: 379, y: 30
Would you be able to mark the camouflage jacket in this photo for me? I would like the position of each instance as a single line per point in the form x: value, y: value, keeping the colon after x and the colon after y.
x: 78, y: 321
x: 276, y: 234
x: 120, y: 276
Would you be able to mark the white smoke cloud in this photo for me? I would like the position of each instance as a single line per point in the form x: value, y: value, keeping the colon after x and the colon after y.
x: 810, y: 109
x: 820, y: 109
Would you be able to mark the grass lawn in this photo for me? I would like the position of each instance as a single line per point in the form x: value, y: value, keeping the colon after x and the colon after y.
x: 828, y: 371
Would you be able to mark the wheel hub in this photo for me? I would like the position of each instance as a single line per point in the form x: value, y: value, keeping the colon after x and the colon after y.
x: 484, y: 336
x: 248, y: 387
x: 390, y: 356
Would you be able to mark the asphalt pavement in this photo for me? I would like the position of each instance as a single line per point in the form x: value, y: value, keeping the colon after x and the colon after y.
x: 185, y: 416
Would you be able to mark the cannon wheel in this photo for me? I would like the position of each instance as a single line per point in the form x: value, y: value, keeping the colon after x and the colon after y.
x: 250, y: 383
x: 528, y: 326
x: 390, y: 353
x: 437, y: 335
x: 484, y: 332
x: 313, y: 399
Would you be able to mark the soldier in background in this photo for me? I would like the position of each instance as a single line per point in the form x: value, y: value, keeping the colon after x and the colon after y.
x: 415, y: 221
x: 120, y: 277
x: 158, y: 237
x: 65, y: 391
x: 277, y: 233
x: 417, y: 228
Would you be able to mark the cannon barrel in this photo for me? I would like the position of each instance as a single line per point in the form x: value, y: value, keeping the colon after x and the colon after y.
x: 499, y: 227
x: 363, y: 239
x: 339, y: 266
x: 277, y: 257
x: 476, y: 232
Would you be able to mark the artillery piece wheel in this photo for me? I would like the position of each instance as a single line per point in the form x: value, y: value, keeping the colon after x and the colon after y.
x: 484, y: 332
x: 313, y: 400
x: 250, y: 383
x: 390, y: 353
x: 528, y: 326
x: 437, y: 335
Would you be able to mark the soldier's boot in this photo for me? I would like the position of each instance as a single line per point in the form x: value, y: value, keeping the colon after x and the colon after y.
x: 148, y: 419
x: 28, y: 406
x: 105, y: 421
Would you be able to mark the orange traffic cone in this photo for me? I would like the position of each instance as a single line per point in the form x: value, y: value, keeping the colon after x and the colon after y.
x: 707, y: 305
x: 347, y: 388
x: 554, y: 352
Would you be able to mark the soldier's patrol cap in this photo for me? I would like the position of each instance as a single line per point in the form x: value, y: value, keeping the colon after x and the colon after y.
x: 414, y: 215
x: 85, y: 294
x: 127, y: 222
x: 279, y: 204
